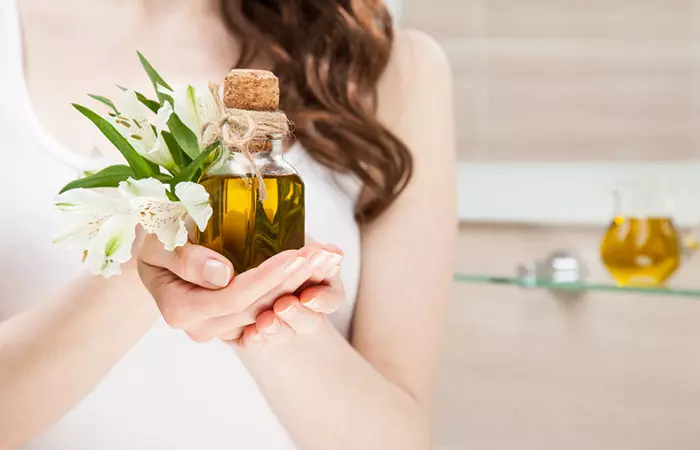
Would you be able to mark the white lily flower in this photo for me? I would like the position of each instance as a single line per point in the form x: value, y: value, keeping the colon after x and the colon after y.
x: 163, y: 217
x: 85, y: 210
x: 99, y: 223
x: 195, y: 106
x: 133, y: 123
x: 112, y: 245
x: 102, y: 221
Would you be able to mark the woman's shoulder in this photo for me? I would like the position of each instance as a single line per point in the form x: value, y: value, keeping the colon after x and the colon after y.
x: 418, y: 63
x: 416, y: 103
x: 413, y: 46
x: 416, y: 57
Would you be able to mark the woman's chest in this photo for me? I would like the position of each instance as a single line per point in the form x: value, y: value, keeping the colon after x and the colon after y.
x: 31, y: 267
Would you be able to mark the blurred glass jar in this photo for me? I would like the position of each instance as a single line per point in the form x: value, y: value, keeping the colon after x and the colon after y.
x: 642, y: 246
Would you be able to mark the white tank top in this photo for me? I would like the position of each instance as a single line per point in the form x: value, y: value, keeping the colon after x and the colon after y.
x: 167, y: 392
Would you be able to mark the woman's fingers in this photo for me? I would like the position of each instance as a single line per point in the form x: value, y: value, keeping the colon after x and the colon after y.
x: 230, y: 326
x: 324, y: 263
x: 299, y: 318
x: 226, y: 328
x: 185, y: 306
x: 232, y: 334
x: 274, y: 330
x: 291, y: 283
x: 267, y: 330
x: 290, y: 317
x: 251, y: 339
x: 324, y: 299
x: 282, y: 269
x: 192, y: 263
x: 323, y: 259
x: 188, y: 287
x: 307, y: 278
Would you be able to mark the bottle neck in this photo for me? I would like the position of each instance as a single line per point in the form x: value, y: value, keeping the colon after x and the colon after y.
x: 268, y: 162
x: 277, y: 148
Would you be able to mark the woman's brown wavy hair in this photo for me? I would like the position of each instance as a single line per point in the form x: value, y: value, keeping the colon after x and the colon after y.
x: 329, y: 56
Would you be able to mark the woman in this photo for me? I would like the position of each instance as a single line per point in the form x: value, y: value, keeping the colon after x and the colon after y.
x: 85, y: 363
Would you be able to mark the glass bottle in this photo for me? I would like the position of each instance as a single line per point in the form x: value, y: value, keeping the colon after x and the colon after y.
x: 250, y: 224
x: 642, y: 244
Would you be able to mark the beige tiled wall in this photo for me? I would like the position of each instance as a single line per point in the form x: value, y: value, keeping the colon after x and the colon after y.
x: 542, y: 80
x: 571, y: 79
x: 523, y: 369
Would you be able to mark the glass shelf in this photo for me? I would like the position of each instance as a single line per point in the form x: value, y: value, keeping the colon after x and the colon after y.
x: 585, y: 286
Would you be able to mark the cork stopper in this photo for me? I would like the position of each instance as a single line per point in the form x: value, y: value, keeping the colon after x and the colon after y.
x: 260, y: 145
x: 253, y: 90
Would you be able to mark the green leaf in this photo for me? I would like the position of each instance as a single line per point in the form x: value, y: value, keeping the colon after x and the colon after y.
x: 184, y: 136
x: 179, y: 156
x: 150, y: 104
x: 189, y: 173
x: 155, y: 78
x: 138, y: 164
x: 163, y: 177
x: 154, y: 167
x: 106, y: 101
x: 171, y: 196
x: 108, y: 177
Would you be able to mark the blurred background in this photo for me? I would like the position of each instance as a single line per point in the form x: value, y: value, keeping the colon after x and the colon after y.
x: 559, y: 103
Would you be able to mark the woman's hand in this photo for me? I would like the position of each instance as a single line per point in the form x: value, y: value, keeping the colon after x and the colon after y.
x: 196, y: 291
x: 292, y: 315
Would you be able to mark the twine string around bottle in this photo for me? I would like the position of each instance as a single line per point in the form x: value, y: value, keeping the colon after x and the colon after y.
x: 237, y: 129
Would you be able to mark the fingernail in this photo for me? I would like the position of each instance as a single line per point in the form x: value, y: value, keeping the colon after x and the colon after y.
x: 257, y: 337
x: 217, y: 273
x: 334, y: 271
x: 334, y: 260
x: 273, y: 328
x: 289, y: 313
x: 319, y: 259
x: 294, y: 265
x: 311, y: 304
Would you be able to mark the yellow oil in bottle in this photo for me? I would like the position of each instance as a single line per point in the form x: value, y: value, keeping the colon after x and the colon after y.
x: 247, y: 229
x: 641, y: 251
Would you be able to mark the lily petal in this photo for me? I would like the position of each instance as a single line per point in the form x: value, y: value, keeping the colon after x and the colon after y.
x: 92, y: 201
x: 130, y: 106
x: 195, y: 106
x: 163, y: 218
x: 83, y: 213
x: 145, y: 187
x: 195, y: 200
x: 160, y: 154
x: 112, y: 245
x: 162, y: 117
